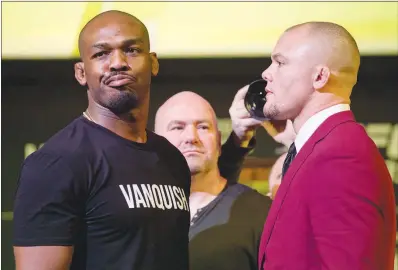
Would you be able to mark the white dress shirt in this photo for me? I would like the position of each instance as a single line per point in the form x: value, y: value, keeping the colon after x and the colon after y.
x: 314, y: 122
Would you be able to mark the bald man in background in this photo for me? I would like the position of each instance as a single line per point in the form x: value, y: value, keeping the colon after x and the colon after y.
x: 227, y: 218
x: 335, y: 207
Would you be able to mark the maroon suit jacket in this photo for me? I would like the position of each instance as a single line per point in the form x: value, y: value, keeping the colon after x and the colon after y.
x: 335, y: 208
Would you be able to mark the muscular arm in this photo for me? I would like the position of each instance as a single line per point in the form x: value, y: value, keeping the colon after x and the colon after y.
x: 43, y: 257
x: 232, y: 157
x: 346, y: 214
x: 47, y: 213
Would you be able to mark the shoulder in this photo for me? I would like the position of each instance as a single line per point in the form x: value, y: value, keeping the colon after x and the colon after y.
x: 161, y: 142
x: 348, y: 137
x: 42, y: 160
x: 251, y: 206
x: 44, y: 172
x: 345, y: 159
x: 347, y: 141
x: 69, y: 139
x: 171, y: 156
x: 249, y: 197
x: 68, y: 149
x: 167, y: 150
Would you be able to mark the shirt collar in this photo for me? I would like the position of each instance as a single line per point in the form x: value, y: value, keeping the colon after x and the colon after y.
x: 314, y: 122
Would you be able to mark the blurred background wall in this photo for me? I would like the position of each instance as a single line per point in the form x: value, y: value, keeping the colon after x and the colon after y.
x: 210, y: 48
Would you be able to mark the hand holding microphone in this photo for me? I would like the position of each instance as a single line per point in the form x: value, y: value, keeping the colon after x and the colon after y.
x: 243, y: 124
x: 255, y: 99
x: 247, y: 114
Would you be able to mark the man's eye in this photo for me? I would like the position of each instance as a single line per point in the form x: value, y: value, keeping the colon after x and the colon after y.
x: 176, y: 128
x: 203, y: 127
x: 133, y: 50
x: 100, y: 54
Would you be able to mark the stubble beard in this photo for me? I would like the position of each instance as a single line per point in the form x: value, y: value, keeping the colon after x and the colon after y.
x: 272, y: 112
x: 119, y: 100
x: 123, y: 102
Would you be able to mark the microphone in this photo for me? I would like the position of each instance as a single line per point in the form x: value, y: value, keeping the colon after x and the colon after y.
x: 255, y: 99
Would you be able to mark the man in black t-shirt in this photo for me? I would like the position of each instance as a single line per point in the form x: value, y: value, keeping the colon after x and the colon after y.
x: 104, y: 192
x: 227, y: 218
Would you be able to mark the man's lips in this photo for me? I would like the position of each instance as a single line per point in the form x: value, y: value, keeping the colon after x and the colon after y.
x: 190, y: 152
x: 119, y: 80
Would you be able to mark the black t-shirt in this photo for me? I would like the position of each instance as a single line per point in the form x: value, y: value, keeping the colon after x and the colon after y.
x: 225, y: 234
x: 121, y: 204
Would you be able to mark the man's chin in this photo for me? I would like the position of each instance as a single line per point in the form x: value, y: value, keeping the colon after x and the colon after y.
x: 123, y: 102
x: 194, y: 168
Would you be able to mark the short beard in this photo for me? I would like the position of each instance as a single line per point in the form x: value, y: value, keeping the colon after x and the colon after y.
x: 123, y: 103
x: 272, y: 113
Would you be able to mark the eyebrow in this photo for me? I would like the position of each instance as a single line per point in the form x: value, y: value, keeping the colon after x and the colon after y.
x: 278, y: 56
x: 125, y: 43
x: 175, y: 122
x: 179, y: 122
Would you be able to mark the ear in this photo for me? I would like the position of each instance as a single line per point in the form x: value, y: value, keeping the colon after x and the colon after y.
x: 321, y: 77
x: 154, y: 64
x: 80, y: 74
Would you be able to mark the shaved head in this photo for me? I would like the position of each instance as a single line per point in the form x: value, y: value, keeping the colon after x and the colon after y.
x: 186, y: 98
x: 314, y: 66
x: 335, y: 33
x: 189, y: 122
x: 335, y: 46
x: 108, y: 17
x: 112, y: 44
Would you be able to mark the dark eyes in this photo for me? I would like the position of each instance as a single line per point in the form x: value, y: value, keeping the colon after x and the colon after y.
x: 203, y: 127
x: 99, y: 54
x: 129, y: 51
x: 176, y: 128
x: 133, y: 50
x: 181, y: 127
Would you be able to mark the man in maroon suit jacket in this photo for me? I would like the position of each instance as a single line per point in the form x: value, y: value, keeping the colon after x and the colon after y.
x: 335, y: 208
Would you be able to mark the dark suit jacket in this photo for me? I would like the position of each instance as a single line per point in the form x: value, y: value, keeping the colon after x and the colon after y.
x: 335, y: 208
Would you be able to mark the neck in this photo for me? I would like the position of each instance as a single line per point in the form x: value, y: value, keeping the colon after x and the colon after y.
x: 131, y: 125
x: 204, y: 189
x: 315, y: 105
x: 209, y: 182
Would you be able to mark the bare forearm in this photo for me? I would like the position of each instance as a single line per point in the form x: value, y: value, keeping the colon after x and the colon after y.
x: 43, y: 257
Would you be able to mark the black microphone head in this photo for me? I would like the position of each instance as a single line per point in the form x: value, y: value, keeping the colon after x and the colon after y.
x: 255, y: 98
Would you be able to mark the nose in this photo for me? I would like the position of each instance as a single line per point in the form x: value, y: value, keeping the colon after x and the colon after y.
x: 118, y: 62
x: 191, y: 135
x: 266, y: 75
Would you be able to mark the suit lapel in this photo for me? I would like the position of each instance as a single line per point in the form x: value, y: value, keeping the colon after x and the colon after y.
x: 322, y: 131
